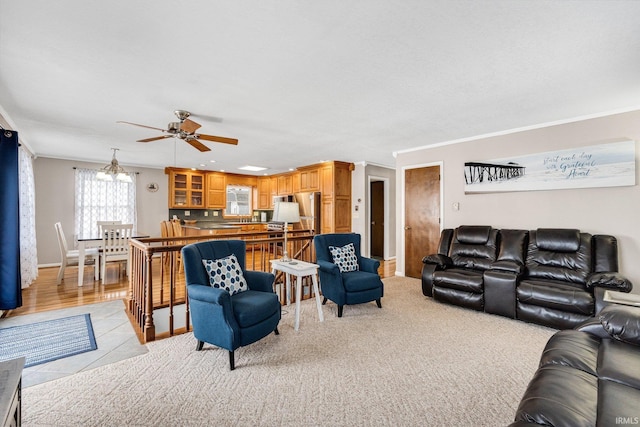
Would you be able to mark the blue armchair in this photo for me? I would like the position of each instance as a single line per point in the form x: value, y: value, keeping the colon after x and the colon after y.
x: 219, y: 318
x: 347, y: 288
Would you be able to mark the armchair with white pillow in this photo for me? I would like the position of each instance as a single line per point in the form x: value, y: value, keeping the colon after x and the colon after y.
x: 346, y: 277
x: 230, y: 307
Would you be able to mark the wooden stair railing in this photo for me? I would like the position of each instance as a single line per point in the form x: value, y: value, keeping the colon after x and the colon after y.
x: 152, y: 287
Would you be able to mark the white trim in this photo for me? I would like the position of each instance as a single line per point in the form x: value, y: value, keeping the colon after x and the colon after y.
x: 516, y: 130
x: 51, y: 264
x: 379, y: 165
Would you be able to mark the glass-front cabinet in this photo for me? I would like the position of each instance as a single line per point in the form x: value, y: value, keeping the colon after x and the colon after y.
x: 186, y: 189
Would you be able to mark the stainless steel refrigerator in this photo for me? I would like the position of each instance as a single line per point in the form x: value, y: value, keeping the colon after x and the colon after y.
x: 309, y: 211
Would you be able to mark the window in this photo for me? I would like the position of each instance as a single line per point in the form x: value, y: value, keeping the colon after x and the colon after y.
x: 238, y: 200
x: 98, y: 200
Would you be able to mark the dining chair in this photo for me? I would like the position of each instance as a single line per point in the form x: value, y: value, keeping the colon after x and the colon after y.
x: 177, y: 232
x: 101, y: 223
x: 70, y: 257
x: 115, y: 245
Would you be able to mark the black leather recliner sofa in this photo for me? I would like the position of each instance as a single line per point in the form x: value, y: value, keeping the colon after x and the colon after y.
x: 588, y: 376
x: 455, y: 275
x: 553, y: 277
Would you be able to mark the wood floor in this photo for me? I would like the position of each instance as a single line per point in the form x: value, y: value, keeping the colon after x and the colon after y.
x: 44, y: 294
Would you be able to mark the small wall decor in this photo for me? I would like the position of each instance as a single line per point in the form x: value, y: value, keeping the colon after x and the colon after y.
x: 152, y: 187
x: 603, y: 165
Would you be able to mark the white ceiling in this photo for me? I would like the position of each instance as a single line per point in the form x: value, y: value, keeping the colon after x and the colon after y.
x: 302, y: 81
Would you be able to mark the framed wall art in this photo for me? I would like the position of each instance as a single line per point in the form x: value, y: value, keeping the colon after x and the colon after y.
x: 604, y: 165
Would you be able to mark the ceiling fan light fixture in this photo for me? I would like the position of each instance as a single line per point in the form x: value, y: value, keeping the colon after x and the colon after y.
x: 103, y: 176
x: 113, y: 169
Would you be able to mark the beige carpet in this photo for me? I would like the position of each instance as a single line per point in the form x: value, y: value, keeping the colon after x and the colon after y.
x: 415, y: 362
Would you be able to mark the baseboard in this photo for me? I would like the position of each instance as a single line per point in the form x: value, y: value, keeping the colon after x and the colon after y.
x: 55, y: 264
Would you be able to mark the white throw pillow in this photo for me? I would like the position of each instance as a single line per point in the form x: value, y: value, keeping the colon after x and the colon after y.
x: 345, y: 258
x: 225, y: 273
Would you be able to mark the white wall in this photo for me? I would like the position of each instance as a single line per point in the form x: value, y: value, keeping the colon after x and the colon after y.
x: 595, y: 210
x: 359, y: 216
x: 361, y: 178
x: 55, y: 183
x: 388, y: 175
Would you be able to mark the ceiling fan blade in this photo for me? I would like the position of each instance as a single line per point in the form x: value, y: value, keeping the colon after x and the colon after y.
x: 189, y: 126
x: 142, y: 126
x: 217, y: 139
x: 155, y: 138
x: 197, y: 144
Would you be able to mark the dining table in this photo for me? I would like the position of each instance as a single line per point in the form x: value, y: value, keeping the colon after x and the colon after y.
x: 95, y: 241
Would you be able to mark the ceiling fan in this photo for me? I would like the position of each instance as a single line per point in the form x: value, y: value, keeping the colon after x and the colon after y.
x: 185, y: 129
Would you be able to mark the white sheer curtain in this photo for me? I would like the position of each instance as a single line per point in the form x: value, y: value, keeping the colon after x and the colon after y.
x: 28, y: 249
x: 98, y: 200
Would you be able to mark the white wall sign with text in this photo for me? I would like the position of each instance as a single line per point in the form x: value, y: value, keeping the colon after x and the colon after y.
x: 603, y: 165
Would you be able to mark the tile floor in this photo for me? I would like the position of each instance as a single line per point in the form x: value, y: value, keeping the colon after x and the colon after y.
x: 114, y: 334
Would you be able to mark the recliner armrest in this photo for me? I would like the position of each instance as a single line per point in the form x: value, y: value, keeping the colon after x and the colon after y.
x: 208, y: 294
x: 609, y: 280
x: 259, y: 280
x: 441, y: 261
x: 622, y: 323
x: 508, y: 266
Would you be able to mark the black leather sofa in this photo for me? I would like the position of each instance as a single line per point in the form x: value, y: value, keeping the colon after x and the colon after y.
x: 553, y: 277
x: 455, y: 275
x: 588, y: 376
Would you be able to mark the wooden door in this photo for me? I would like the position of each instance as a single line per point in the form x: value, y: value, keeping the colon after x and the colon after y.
x: 377, y: 219
x: 422, y: 217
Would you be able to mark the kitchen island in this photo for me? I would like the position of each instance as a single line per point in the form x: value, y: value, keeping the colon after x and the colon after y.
x: 217, y: 227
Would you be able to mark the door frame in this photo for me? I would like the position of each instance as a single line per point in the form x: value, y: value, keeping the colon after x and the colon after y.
x: 373, y: 178
x: 401, y: 230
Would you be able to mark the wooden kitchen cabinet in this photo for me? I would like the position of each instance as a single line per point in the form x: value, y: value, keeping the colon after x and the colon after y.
x: 295, y: 182
x: 273, y: 185
x: 310, y: 178
x: 335, y: 180
x: 186, y: 189
x: 284, y: 185
x: 216, y: 190
x: 264, y: 193
x: 200, y: 189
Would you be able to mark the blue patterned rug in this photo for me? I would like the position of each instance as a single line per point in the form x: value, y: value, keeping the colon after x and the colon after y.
x: 49, y: 340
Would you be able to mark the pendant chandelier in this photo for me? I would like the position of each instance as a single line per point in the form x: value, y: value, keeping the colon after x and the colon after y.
x: 113, y: 169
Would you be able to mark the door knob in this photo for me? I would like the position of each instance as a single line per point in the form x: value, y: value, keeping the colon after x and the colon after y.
x: 407, y: 227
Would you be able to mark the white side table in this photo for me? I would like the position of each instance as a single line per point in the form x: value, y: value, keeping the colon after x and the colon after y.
x: 621, y: 298
x: 299, y: 269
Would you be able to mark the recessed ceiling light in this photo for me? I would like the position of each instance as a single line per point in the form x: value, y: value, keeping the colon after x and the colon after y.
x: 212, y: 161
x: 252, y: 168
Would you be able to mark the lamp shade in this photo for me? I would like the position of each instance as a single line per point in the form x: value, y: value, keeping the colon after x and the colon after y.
x: 286, y: 212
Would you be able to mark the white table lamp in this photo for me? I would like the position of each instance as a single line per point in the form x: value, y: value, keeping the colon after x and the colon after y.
x: 286, y: 212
